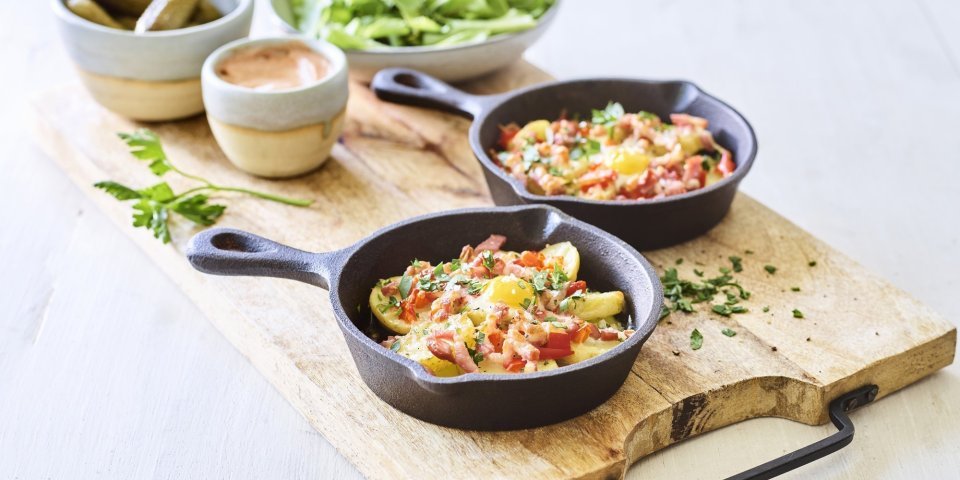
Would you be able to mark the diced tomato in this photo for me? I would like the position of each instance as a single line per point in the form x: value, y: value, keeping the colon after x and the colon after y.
x: 516, y: 365
x: 559, y: 340
x: 507, y: 132
x: 547, y: 353
x: 582, y: 334
x: 496, y: 339
x: 531, y: 259
x: 423, y: 299
x: 574, y: 287
x: 407, y: 313
x: 726, y: 165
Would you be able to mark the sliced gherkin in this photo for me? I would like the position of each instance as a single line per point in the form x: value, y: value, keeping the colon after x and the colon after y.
x: 166, y: 15
x: 89, y: 10
x: 131, y: 8
x: 204, y: 13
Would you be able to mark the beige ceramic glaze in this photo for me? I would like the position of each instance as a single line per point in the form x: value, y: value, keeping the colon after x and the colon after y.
x: 145, y: 100
x: 149, y: 76
x: 276, y: 133
x: 301, y: 149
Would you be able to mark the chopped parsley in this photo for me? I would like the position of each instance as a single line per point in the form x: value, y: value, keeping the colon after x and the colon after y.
x: 766, y: 309
x: 797, y: 313
x: 737, y: 263
x: 696, y: 339
x: 488, y: 261
x: 392, y: 302
x: 770, y: 269
x: 728, y: 332
x: 681, y: 295
x: 795, y: 289
x: 679, y: 261
x: 726, y: 310
x: 812, y: 263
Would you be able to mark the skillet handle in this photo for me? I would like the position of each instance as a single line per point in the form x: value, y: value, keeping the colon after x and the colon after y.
x: 410, y: 87
x: 227, y: 251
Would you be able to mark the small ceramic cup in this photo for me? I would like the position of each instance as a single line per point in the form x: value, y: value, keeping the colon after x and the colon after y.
x: 279, y: 133
x: 149, y: 76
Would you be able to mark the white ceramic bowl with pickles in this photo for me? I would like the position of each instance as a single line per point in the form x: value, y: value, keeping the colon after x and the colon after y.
x: 153, y: 75
x: 451, y: 63
x: 277, y: 133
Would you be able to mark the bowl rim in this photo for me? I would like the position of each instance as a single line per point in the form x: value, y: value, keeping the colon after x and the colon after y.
x: 743, y: 162
x: 542, y: 23
x: 419, y: 373
x: 329, y: 51
x: 64, y: 13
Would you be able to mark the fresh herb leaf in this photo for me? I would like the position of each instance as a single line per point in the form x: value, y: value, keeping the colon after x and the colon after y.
x: 766, y: 309
x: 797, y: 313
x: 728, y: 332
x: 698, y: 273
x: 812, y: 263
x: 474, y: 287
x: 406, y: 282
x: 737, y: 263
x: 540, y: 281
x: 488, y: 261
x: 795, y: 289
x: 679, y: 261
x: 696, y: 339
x: 770, y: 269
x: 155, y: 203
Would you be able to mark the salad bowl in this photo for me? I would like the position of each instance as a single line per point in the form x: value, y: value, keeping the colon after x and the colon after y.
x: 453, y: 63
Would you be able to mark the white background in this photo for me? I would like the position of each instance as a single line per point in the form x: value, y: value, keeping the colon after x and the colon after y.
x: 106, y: 370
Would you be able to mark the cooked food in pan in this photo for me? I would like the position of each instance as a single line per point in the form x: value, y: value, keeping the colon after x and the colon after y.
x: 145, y: 15
x: 614, y: 156
x: 498, y: 311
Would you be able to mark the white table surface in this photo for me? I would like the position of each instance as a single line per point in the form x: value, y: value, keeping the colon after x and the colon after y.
x: 107, y: 370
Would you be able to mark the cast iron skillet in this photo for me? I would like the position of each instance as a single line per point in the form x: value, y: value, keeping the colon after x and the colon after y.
x: 645, y: 224
x: 472, y: 401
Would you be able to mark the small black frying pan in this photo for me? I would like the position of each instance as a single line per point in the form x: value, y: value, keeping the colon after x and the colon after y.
x: 472, y: 401
x: 644, y: 224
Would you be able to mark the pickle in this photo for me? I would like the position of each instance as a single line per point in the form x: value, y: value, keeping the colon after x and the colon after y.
x: 127, y: 22
x: 89, y: 10
x: 205, y: 12
x: 165, y: 15
x: 132, y: 8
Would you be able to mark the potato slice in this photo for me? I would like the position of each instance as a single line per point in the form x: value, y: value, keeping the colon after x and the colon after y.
x: 567, y: 252
x: 587, y: 350
x: 597, y: 305
x: 388, y: 316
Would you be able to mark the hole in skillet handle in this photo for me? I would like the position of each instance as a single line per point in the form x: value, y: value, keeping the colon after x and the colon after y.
x: 231, y: 252
x: 410, y: 87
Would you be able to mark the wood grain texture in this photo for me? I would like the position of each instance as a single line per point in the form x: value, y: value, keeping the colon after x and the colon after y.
x: 394, y: 162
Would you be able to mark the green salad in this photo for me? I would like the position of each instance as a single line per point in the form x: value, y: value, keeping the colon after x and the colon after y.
x: 371, y: 24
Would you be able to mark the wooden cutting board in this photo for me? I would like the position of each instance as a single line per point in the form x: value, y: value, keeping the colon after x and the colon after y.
x: 394, y: 162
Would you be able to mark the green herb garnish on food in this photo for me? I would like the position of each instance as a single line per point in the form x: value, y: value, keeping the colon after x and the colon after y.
x: 696, y: 339
x: 373, y: 24
x: 728, y: 332
x: 155, y: 204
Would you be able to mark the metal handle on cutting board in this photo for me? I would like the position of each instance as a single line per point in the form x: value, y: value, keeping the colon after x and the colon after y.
x: 839, y: 408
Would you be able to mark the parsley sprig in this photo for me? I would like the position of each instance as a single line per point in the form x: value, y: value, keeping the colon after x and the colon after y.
x: 155, y: 203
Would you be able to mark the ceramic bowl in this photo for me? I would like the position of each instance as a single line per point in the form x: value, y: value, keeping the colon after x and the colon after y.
x: 149, y: 76
x: 454, y: 63
x: 279, y: 133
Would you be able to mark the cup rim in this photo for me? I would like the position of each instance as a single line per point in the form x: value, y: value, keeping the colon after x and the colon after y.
x: 332, y: 53
x: 61, y: 10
